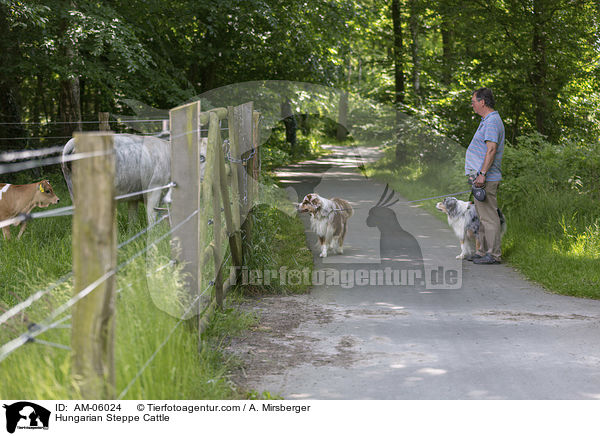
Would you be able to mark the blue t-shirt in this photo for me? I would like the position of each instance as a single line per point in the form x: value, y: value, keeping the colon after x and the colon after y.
x: 491, y: 128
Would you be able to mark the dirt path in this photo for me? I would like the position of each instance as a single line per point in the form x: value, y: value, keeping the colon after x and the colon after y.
x: 466, y: 332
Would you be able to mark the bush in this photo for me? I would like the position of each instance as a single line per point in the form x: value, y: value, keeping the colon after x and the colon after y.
x: 539, y: 168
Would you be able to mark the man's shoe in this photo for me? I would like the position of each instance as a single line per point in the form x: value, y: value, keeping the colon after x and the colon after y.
x: 488, y: 259
x: 472, y: 257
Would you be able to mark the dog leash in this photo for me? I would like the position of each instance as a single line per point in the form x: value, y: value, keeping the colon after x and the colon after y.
x: 433, y: 198
x: 413, y: 201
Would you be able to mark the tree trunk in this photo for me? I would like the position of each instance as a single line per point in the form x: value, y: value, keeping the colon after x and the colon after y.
x: 342, y: 127
x: 447, y: 51
x: 397, y: 53
x: 70, y: 104
x: 539, y: 73
x: 398, y: 75
x: 10, y: 110
x: 208, y: 77
x: 342, y: 131
x: 289, y: 120
x: 70, y: 110
x: 416, y: 60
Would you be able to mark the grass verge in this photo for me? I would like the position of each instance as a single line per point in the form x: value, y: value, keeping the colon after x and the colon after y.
x: 156, y: 353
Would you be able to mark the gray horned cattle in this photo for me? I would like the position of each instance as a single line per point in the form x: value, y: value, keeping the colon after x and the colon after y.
x: 21, y: 199
x: 141, y: 163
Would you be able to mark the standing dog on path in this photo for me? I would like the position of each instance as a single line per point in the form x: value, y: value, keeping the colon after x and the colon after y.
x: 328, y: 219
x: 464, y: 221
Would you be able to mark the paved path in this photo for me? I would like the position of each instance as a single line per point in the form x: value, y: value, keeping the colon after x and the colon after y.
x: 483, y: 332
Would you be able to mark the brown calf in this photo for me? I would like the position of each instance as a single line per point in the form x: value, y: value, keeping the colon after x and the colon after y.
x: 18, y: 199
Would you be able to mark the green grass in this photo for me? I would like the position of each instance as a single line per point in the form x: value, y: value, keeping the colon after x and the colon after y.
x: 144, y: 323
x: 142, y: 327
x: 553, y: 236
x: 278, y: 240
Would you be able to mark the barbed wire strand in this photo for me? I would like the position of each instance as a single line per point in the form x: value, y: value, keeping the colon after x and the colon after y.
x: 49, y: 123
x: 13, y: 345
x: 135, y: 194
x: 59, y: 211
x: 140, y: 233
x: 21, y: 166
x: 33, y: 298
x: 37, y: 138
x: 50, y: 344
x: 28, y: 154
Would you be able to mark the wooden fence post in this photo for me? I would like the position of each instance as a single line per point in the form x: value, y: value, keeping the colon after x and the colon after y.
x: 256, y: 158
x: 216, y: 149
x: 235, y: 237
x: 103, y: 121
x: 94, y: 255
x: 243, y: 125
x: 185, y: 173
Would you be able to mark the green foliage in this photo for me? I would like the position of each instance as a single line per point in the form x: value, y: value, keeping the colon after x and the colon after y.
x: 278, y: 241
x: 541, y: 57
x: 276, y: 152
x: 538, y: 168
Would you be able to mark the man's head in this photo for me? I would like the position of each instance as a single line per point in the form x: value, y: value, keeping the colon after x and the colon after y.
x: 483, y: 101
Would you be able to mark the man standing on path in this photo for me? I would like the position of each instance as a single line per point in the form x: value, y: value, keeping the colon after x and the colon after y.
x: 483, y: 159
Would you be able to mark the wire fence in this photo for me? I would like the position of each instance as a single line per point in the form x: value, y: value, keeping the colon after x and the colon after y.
x: 215, y: 195
x: 48, y: 323
x: 28, y: 154
x: 43, y: 123
x: 28, y: 165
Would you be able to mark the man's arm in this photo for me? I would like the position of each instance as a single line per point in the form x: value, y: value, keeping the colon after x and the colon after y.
x: 490, y: 155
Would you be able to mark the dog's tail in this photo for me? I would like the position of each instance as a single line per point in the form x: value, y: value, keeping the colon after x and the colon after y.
x: 502, y: 222
x: 350, y: 211
x: 343, y: 206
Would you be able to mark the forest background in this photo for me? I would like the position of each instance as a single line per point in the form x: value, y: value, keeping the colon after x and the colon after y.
x: 64, y: 61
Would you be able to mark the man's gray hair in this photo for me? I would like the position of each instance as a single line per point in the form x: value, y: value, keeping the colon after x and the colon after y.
x: 486, y: 95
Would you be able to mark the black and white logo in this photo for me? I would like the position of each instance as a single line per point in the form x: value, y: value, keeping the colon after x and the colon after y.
x: 26, y: 415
